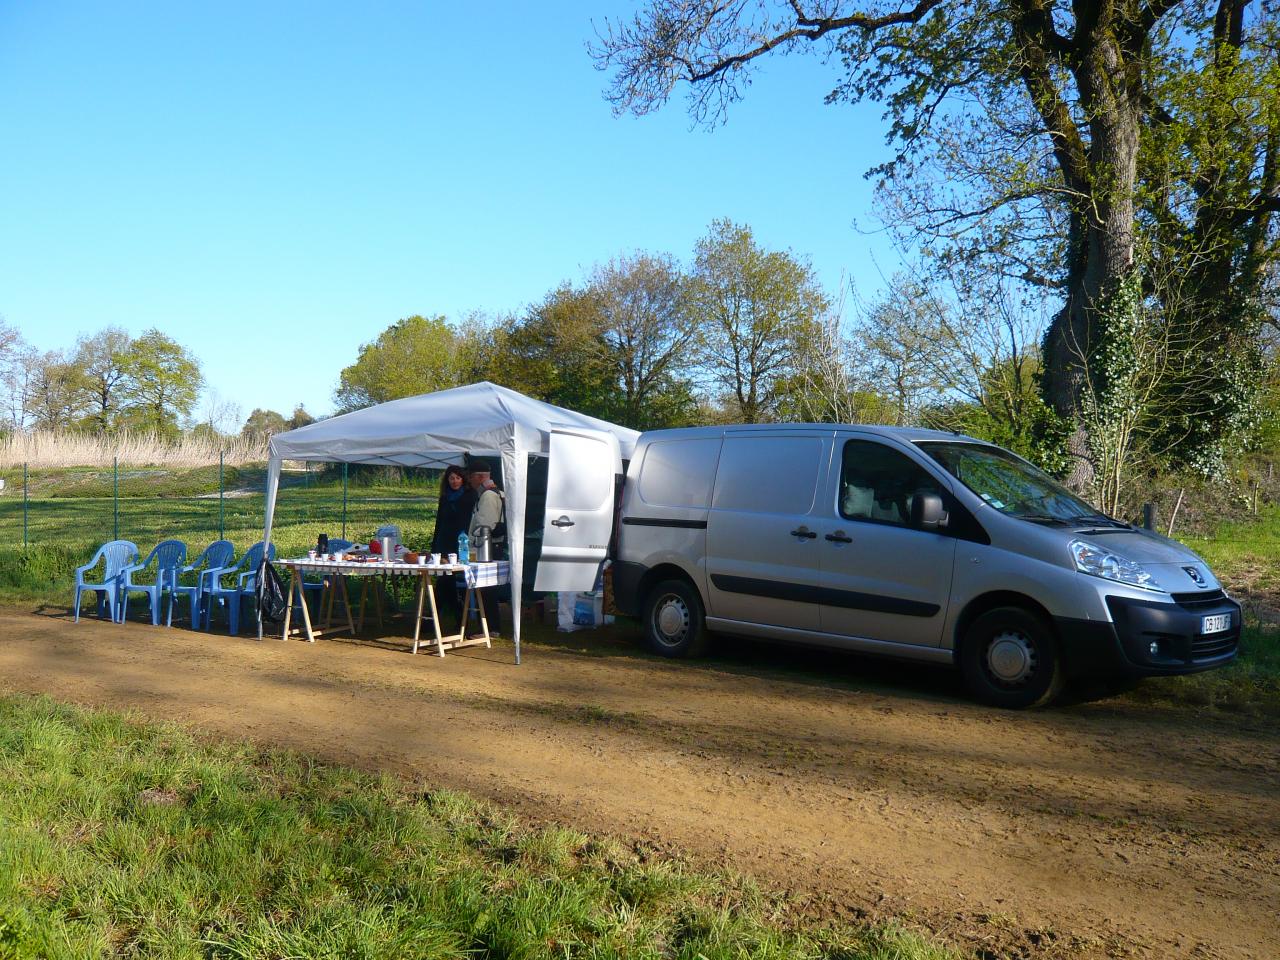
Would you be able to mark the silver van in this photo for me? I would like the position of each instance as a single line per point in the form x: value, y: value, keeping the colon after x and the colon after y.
x: 910, y: 543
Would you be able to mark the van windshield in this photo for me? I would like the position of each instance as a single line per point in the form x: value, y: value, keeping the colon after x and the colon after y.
x: 1009, y: 484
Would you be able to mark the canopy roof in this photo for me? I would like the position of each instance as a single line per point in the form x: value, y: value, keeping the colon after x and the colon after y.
x: 434, y: 428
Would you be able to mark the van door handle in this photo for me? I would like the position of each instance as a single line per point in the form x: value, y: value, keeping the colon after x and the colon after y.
x: 804, y: 533
x: 562, y: 522
x: 839, y: 537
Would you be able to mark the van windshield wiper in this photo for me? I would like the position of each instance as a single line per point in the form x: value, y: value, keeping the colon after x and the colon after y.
x: 1099, y: 518
x: 1043, y: 518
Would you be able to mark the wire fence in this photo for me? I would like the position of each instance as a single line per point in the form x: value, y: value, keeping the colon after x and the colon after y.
x: 83, y: 507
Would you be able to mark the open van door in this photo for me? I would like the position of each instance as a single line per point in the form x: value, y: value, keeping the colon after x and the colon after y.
x: 581, y: 467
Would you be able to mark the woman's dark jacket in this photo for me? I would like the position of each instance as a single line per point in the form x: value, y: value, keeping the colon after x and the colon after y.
x: 453, y: 516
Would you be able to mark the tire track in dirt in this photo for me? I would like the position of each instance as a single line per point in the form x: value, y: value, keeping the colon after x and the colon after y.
x: 1094, y: 830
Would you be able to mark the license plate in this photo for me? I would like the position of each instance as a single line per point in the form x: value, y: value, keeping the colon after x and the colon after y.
x: 1216, y: 623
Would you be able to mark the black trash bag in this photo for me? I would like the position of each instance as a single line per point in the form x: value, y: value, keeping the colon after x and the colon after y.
x: 270, y: 593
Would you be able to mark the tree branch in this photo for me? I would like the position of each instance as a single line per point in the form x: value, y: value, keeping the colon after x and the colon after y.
x: 815, y: 28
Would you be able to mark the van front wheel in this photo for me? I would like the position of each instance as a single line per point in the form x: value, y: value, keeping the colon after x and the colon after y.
x: 674, y: 625
x: 1010, y: 659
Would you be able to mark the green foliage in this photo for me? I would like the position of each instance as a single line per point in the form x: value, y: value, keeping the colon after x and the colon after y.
x: 101, y: 359
x: 557, y: 352
x: 412, y: 356
x: 163, y: 382
x: 118, y: 836
x: 1038, y: 434
x: 755, y: 308
x: 263, y: 423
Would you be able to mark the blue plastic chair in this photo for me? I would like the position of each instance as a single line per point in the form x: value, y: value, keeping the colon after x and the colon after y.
x: 115, y: 557
x: 206, y: 566
x: 168, y: 555
x: 246, y: 581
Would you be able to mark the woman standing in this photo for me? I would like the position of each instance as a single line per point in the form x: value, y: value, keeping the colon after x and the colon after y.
x: 453, y: 516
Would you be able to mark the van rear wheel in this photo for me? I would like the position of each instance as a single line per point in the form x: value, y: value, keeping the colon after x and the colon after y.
x: 674, y: 624
x: 1010, y: 659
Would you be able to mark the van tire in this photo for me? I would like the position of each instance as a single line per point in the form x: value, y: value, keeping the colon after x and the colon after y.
x: 1010, y: 659
x: 674, y: 625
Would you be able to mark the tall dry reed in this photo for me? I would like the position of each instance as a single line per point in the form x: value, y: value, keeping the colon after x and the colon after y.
x: 55, y: 448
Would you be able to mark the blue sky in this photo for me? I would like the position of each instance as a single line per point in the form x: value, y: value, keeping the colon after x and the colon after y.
x: 274, y: 184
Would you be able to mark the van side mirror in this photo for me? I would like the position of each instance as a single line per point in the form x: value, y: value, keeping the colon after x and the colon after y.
x: 927, y: 512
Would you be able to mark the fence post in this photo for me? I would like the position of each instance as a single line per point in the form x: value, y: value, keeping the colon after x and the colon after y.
x: 24, y: 505
x: 344, y: 501
x: 1148, y: 516
x: 222, y: 487
x: 115, y: 496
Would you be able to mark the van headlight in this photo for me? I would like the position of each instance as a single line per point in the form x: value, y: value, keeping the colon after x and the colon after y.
x: 1097, y: 562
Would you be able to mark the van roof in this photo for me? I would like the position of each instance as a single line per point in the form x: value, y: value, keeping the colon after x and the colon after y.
x: 907, y: 434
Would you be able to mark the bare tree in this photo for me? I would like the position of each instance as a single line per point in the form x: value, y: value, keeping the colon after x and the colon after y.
x: 12, y: 375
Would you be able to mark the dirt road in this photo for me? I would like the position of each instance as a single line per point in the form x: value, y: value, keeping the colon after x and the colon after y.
x: 1100, y: 829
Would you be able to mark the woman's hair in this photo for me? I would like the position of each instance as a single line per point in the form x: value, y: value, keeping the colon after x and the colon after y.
x: 444, y: 477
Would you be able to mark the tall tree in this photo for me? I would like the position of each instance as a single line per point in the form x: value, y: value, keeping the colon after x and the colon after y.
x: 1020, y: 132
x: 651, y: 335
x: 754, y: 307
x: 164, y: 382
x: 412, y: 356
x: 300, y: 418
x: 12, y: 376
x: 102, y: 358
x: 53, y: 390
x: 262, y: 424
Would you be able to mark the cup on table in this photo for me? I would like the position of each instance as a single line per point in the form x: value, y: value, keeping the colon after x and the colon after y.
x: 453, y: 559
x: 422, y: 559
x: 311, y: 554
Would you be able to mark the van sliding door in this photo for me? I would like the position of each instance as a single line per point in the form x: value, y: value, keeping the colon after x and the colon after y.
x: 762, y: 545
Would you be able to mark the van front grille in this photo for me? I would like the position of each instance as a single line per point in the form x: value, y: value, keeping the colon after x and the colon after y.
x: 1214, y: 645
x: 1193, y: 600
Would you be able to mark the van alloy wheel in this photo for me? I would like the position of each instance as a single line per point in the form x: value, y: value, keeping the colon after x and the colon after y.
x: 1011, y: 658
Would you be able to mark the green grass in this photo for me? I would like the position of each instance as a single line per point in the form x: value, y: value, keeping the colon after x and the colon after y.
x: 1246, y: 558
x: 123, y: 838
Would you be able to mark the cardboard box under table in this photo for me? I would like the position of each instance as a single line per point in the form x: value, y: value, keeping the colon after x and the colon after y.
x: 336, y: 572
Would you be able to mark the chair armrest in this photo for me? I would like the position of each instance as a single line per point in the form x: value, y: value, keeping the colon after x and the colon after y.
x: 214, y: 574
x: 131, y: 568
x: 98, y: 555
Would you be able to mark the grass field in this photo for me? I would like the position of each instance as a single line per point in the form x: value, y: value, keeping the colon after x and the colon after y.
x: 121, y: 838
x: 72, y: 512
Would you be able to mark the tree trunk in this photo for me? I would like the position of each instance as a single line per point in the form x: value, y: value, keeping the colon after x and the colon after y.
x: 1101, y: 241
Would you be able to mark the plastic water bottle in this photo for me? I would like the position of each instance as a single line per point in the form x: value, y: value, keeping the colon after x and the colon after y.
x: 464, y: 548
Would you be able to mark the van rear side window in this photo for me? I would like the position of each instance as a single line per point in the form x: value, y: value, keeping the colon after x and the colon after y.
x: 768, y: 474
x: 679, y: 473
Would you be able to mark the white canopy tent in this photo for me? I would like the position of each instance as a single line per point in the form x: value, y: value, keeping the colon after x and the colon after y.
x: 436, y: 429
